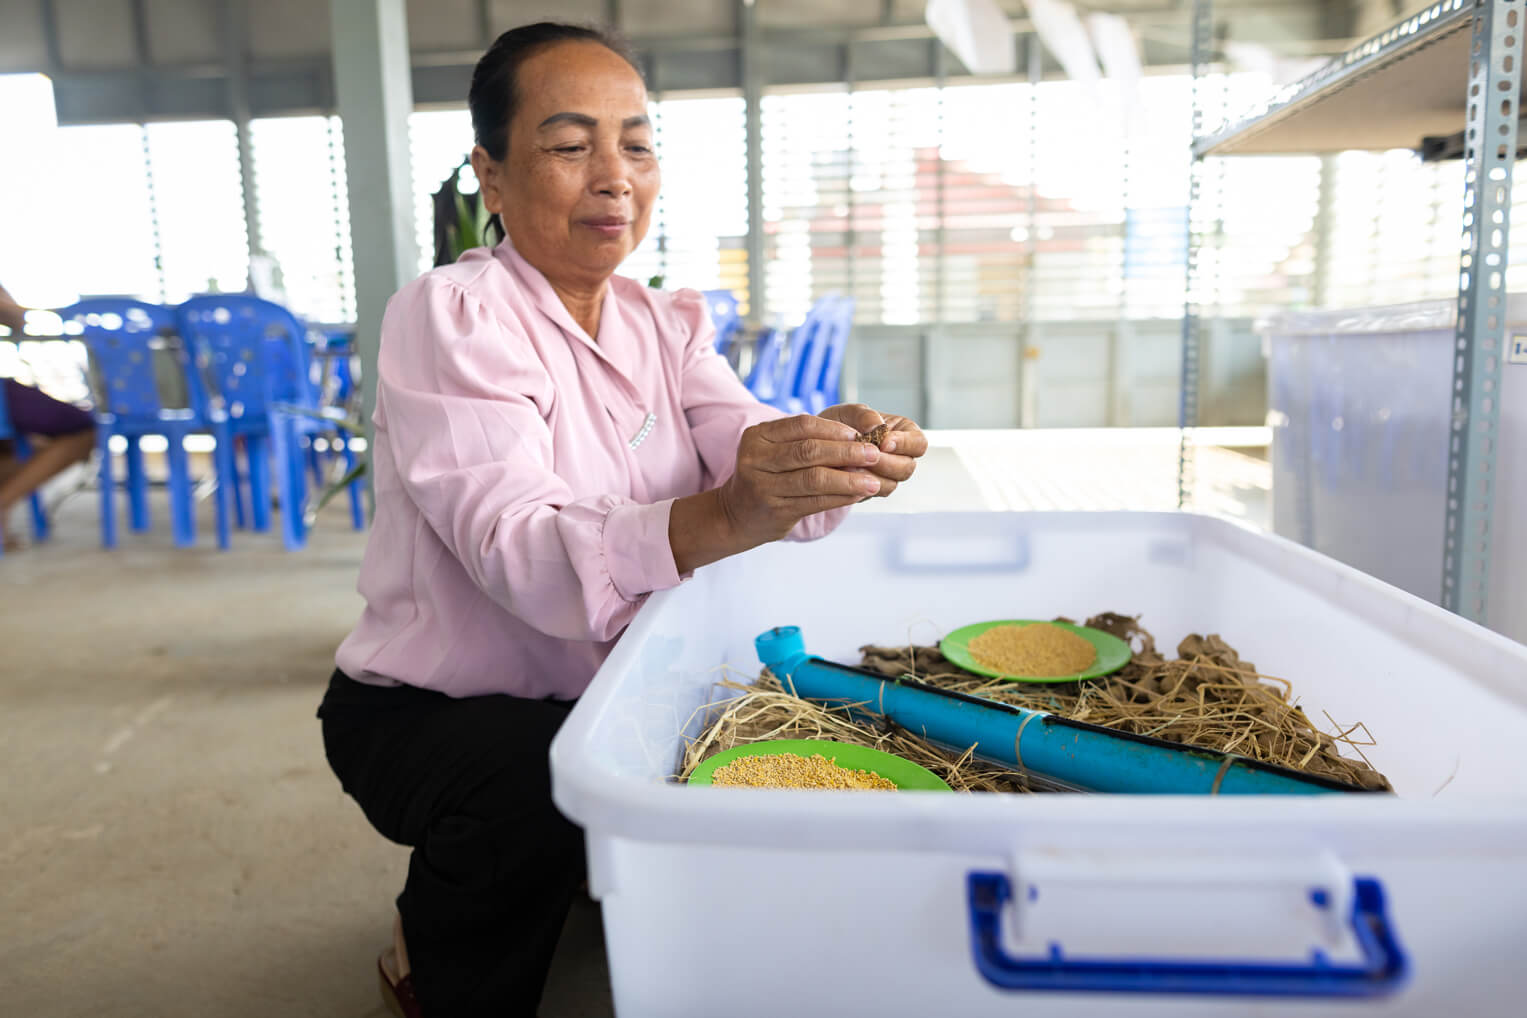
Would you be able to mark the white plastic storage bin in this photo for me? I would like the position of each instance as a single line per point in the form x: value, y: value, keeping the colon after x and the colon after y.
x: 1361, y: 407
x: 796, y: 903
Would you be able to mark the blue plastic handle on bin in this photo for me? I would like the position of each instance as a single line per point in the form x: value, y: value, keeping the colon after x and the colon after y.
x: 1079, y: 755
x: 1383, y: 969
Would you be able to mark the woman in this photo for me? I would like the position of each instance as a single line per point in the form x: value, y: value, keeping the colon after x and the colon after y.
x: 553, y: 443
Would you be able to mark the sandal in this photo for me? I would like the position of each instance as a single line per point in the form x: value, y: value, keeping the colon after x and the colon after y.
x: 398, y: 995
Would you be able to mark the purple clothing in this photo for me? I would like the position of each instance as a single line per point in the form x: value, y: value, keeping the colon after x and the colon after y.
x: 33, y: 412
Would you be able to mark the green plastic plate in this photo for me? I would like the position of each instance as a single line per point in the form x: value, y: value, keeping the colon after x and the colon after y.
x: 1113, y: 653
x: 904, y: 774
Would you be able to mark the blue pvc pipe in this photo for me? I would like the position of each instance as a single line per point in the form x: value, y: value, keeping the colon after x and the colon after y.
x: 1089, y: 757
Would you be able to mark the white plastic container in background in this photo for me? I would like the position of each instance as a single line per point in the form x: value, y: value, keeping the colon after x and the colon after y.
x: 1360, y: 403
x: 797, y: 903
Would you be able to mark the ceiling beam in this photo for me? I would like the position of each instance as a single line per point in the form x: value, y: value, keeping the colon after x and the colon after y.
x: 233, y: 16
x: 1157, y: 22
x: 679, y: 63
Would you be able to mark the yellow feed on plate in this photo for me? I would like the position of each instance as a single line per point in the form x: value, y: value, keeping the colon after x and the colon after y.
x: 786, y: 770
x: 1036, y: 651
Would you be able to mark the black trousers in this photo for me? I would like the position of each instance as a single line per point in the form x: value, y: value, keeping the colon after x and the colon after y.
x: 467, y: 784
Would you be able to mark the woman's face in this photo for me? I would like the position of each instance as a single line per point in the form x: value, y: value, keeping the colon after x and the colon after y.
x: 577, y: 186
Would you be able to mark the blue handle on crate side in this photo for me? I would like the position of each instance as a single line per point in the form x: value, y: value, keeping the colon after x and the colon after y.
x: 1383, y: 970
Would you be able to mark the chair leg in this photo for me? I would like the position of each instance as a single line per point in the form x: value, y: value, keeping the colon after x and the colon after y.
x: 40, y: 528
x: 357, y: 510
x: 259, y: 481
x: 182, y: 512
x: 105, y: 483
x: 227, y: 486
x: 314, y: 462
x: 34, y: 501
x: 240, y: 492
x: 137, y: 486
x: 289, y: 468
x: 298, y: 519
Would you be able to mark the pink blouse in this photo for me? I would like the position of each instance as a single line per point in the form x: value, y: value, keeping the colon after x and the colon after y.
x: 524, y: 474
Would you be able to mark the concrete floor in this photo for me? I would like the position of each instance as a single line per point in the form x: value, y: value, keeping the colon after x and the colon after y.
x: 172, y: 840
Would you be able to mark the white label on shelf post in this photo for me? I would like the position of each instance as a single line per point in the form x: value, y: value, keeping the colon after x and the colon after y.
x: 1516, y: 349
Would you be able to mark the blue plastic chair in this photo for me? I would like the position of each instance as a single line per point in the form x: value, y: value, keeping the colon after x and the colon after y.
x: 722, y: 305
x: 338, y: 349
x: 801, y: 341
x: 257, y: 374
x: 840, y: 319
x: 126, y: 338
x: 337, y: 389
x: 808, y: 354
x: 315, y: 411
x: 23, y: 450
x: 763, y: 380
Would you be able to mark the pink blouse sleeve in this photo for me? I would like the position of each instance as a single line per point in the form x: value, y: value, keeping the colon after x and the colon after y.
x: 461, y: 401
x: 719, y: 407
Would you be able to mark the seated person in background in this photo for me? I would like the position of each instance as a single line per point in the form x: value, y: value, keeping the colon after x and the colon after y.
x: 63, y: 434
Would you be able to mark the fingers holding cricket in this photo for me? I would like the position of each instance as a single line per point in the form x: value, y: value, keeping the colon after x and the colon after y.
x: 861, y: 418
x: 904, y: 437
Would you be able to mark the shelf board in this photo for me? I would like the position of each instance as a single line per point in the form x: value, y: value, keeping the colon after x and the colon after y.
x: 1391, y: 91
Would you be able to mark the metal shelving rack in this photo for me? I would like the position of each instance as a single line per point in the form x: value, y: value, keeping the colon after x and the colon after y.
x: 1450, y: 69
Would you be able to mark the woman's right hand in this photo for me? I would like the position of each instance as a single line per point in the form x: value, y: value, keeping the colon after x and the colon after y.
x: 787, y: 469
x: 795, y: 467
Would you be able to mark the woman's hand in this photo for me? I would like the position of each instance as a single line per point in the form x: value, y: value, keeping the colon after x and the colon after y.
x: 903, y: 444
x: 787, y: 469
x: 793, y: 468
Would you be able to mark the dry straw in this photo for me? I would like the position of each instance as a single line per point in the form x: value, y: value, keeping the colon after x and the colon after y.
x: 764, y: 711
x: 1206, y: 697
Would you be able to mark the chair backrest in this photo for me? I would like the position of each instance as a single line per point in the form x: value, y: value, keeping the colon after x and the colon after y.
x: 130, y: 343
x: 763, y: 380
x: 339, y: 348
x: 841, y: 319
x: 808, y: 350
x: 802, y: 340
x: 251, y: 353
x: 722, y: 305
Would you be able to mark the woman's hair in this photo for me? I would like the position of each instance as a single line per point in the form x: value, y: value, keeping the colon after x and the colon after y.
x: 494, y: 97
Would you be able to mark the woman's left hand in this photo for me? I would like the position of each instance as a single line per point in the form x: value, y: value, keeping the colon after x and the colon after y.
x: 903, y: 444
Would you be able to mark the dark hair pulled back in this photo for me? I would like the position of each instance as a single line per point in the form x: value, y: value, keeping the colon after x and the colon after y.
x: 494, y: 97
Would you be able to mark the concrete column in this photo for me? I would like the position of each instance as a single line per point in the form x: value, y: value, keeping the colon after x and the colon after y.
x: 375, y: 95
x: 235, y: 32
x: 752, y: 97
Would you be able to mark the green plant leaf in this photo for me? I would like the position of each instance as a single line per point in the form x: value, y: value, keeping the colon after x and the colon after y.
x: 483, y: 215
x: 452, y: 241
x: 329, y: 415
x: 355, y: 473
x: 471, y: 217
